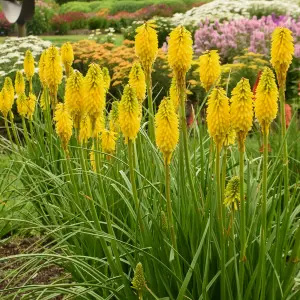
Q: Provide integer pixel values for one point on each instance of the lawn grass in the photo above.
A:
(58, 40)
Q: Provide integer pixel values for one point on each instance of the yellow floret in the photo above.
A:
(241, 110)
(167, 132)
(146, 45)
(180, 51)
(282, 52)
(265, 104)
(137, 81)
(129, 114)
(218, 116)
(63, 124)
(210, 69)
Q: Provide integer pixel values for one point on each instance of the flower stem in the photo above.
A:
(9, 134)
(14, 131)
(150, 105)
(185, 139)
(133, 183)
(264, 217)
(242, 221)
(224, 162)
(221, 223)
(285, 149)
(170, 214)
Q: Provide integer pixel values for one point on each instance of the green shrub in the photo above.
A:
(75, 7)
(129, 6)
(40, 23)
(98, 23)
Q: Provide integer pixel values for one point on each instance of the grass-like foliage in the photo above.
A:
(100, 219)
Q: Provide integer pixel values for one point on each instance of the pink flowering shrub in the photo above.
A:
(233, 37)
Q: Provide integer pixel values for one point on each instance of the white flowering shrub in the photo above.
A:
(107, 36)
(234, 9)
(12, 53)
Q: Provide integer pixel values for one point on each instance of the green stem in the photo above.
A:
(30, 85)
(25, 132)
(150, 105)
(264, 217)
(96, 220)
(235, 262)
(108, 219)
(185, 139)
(9, 134)
(133, 183)
(242, 221)
(169, 205)
(285, 149)
(17, 139)
(224, 163)
(221, 223)
(170, 214)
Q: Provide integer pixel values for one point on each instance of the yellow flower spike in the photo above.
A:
(113, 117)
(67, 56)
(210, 69)
(53, 71)
(146, 45)
(174, 94)
(31, 103)
(167, 132)
(22, 105)
(99, 125)
(108, 141)
(138, 281)
(19, 83)
(180, 52)
(63, 125)
(94, 93)
(29, 65)
(137, 80)
(74, 97)
(85, 131)
(129, 113)
(230, 137)
(106, 78)
(42, 68)
(218, 116)
(8, 95)
(232, 193)
(241, 110)
(265, 104)
(282, 51)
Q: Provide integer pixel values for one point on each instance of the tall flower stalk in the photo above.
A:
(130, 125)
(146, 48)
(29, 68)
(241, 113)
(67, 57)
(167, 135)
(218, 123)
(53, 73)
(265, 111)
(282, 51)
(210, 69)
(180, 54)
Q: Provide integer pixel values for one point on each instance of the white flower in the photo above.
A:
(232, 9)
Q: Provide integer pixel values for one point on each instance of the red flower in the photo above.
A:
(256, 84)
(288, 114)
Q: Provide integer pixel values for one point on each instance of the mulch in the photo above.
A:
(24, 245)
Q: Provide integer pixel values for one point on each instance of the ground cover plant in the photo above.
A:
(133, 200)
